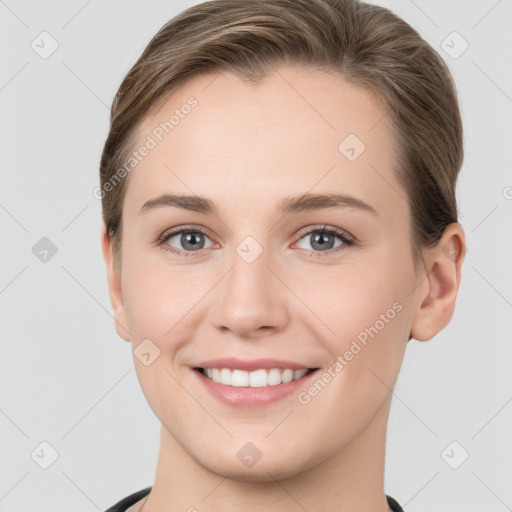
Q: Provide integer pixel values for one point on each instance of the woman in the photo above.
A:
(278, 192)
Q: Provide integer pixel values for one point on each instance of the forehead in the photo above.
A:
(296, 131)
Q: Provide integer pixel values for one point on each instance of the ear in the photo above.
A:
(114, 286)
(436, 298)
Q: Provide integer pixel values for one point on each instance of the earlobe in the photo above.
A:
(114, 286)
(436, 298)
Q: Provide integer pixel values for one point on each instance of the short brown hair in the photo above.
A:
(368, 45)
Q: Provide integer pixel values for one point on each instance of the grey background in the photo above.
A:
(68, 380)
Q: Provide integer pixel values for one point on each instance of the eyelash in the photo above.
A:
(342, 235)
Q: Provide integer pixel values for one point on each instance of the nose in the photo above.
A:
(252, 299)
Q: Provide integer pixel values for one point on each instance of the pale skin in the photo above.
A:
(246, 148)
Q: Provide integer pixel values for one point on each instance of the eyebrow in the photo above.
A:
(305, 202)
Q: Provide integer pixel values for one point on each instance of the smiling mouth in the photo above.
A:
(254, 379)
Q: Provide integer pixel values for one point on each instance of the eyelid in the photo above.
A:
(328, 228)
(347, 239)
(180, 229)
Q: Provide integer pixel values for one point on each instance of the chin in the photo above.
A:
(264, 470)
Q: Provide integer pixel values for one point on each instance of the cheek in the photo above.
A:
(157, 301)
(156, 297)
(350, 299)
(367, 321)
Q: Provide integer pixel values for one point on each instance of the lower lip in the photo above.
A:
(247, 397)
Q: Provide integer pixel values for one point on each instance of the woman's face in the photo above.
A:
(253, 280)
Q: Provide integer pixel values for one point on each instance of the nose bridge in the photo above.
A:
(250, 273)
(251, 295)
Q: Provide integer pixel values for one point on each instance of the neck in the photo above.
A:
(351, 479)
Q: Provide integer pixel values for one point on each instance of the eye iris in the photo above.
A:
(321, 239)
(190, 241)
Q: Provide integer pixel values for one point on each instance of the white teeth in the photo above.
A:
(238, 378)
(287, 376)
(258, 378)
(274, 377)
(225, 376)
(254, 379)
(297, 374)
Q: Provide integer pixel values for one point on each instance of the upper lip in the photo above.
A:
(253, 364)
